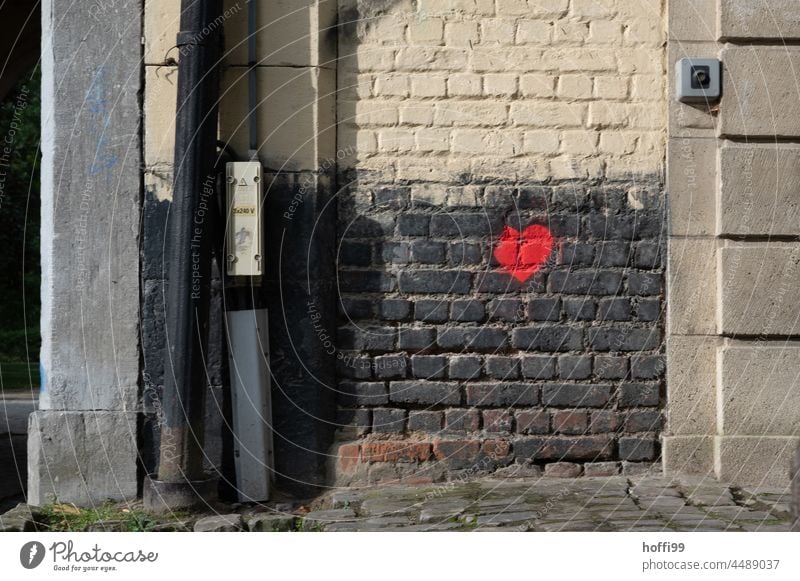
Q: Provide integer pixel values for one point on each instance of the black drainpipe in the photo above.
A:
(181, 480)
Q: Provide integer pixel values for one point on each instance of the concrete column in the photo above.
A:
(82, 444)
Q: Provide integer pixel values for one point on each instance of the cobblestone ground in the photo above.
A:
(590, 504)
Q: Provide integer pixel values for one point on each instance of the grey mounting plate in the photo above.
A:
(698, 80)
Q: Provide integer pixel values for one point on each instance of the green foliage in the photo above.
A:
(19, 220)
(69, 518)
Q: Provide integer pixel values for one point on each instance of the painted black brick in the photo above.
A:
(395, 309)
(413, 224)
(614, 309)
(465, 367)
(428, 252)
(637, 449)
(610, 367)
(355, 281)
(425, 421)
(366, 338)
(428, 366)
(612, 253)
(416, 338)
(435, 281)
(355, 253)
(392, 198)
(424, 392)
(358, 393)
(465, 254)
(624, 339)
(451, 225)
(502, 394)
(576, 395)
(538, 367)
(474, 338)
(505, 310)
(647, 256)
(564, 448)
(395, 252)
(544, 309)
(388, 420)
(496, 282)
(390, 366)
(355, 368)
(593, 282)
(576, 254)
(574, 366)
(648, 309)
(431, 311)
(639, 395)
(352, 308)
(550, 339)
(582, 309)
(500, 367)
(647, 367)
(644, 283)
(466, 311)
(360, 418)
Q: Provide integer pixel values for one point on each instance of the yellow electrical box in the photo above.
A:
(244, 247)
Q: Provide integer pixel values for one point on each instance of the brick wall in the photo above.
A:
(456, 120)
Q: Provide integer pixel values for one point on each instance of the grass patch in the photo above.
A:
(69, 518)
(19, 375)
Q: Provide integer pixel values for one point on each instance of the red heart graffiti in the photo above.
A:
(523, 253)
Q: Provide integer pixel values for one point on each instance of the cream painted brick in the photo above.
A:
(497, 31)
(366, 113)
(475, 141)
(479, 7)
(568, 167)
(594, 9)
(470, 114)
(519, 58)
(536, 8)
(618, 142)
(611, 87)
(500, 85)
(429, 194)
(578, 60)
(633, 115)
(428, 86)
(353, 85)
(579, 142)
(417, 114)
(160, 98)
(605, 32)
(548, 114)
(652, 144)
(433, 139)
(467, 196)
(464, 85)
(426, 31)
(648, 87)
(461, 33)
(567, 32)
(387, 30)
(645, 32)
(431, 59)
(575, 87)
(641, 61)
(359, 142)
(540, 142)
(537, 85)
(392, 86)
(534, 32)
(400, 140)
(368, 58)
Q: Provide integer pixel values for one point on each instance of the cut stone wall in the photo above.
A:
(733, 254)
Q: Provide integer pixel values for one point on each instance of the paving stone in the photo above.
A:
(316, 520)
(271, 522)
(224, 523)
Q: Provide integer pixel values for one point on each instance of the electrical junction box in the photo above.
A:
(698, 80)
(244, 248)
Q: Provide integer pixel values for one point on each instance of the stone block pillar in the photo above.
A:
(82, 443)
(734, 259)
